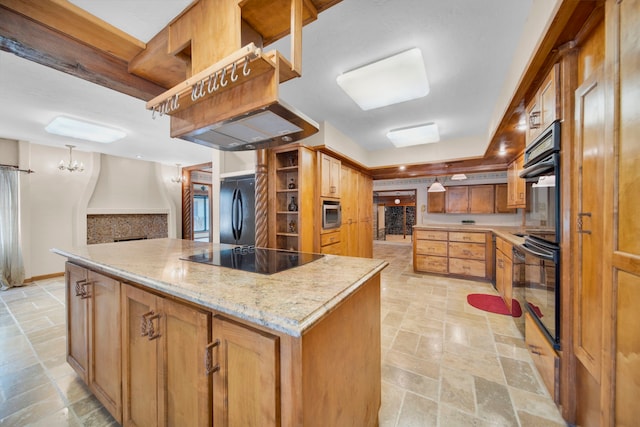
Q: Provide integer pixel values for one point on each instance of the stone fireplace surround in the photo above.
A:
(107, 228)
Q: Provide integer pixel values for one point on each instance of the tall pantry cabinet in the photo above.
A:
(605, 249)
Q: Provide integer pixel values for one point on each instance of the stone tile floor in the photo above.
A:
(445, 363)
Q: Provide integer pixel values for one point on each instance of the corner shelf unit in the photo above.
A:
(291, 228)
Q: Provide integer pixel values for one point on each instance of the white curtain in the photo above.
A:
(11, 265)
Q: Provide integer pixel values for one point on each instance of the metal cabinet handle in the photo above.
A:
(208, 358)
(81, 290)
(153, 333)
(534, 120)
(146, 325)
(580, 224)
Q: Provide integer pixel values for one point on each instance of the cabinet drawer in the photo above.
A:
(431, 235)
(505, 247)
(467, 250)
(467, 237)
(542, 353)
(329, 238)
(431, 247)
(333, 249)
(434, 264)
(467, 267)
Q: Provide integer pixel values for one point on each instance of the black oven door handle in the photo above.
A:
(540, 254)
(538, 168)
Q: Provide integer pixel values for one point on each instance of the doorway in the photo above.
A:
(196, 203)
(395, 214)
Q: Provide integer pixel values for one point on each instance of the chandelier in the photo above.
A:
(71, 166)
(178, 178)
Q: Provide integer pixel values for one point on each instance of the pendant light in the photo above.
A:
(436, 187)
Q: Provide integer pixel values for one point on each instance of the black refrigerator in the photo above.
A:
(238, 211)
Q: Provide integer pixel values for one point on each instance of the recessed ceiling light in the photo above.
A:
(458, 177)
(80, 129)
(414, 135)
(402, 167)
(395, 79)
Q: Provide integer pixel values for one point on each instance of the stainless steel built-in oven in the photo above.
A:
(542, 172)
(542, 228)
(542, 286)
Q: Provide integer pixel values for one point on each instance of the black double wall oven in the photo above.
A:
(543, 228)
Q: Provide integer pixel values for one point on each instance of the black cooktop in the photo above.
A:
(252, 259)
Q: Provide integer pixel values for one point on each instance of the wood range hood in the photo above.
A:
(230, 100)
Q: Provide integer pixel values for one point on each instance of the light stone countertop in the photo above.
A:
(290, 301)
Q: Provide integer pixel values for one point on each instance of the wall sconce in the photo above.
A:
(178, 178)
(71, 166)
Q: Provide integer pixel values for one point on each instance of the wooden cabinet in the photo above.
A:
(504, 271)
(436, 202)
(476, 199)
(93, 334)
(544, 107)
(544, 356)
(246, 387)
(452, 252)
(165, 380)
(292, 182)
(357, 212)
(329, 176)
(468, 254)
(330, 243)
(502, 199)
(365, 215)
(516, 185)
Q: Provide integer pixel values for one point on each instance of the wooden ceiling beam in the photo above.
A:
(37, 42)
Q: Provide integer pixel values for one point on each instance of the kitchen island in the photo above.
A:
(160, 340)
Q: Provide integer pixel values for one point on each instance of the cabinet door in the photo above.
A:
(105, 374)
(481, 199)
(457, 199)
(517, 185)
(365, 239)
(140, 359)
(186, 387)
(329, 176)
(502, 199)
(548, 98)
(77, 320)
(500, 273)
(435, 202)
(246, 387)
(365, 198)
(508, 282)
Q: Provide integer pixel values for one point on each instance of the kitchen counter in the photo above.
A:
(507, 233)
(291, 301)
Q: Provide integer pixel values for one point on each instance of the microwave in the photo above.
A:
(331, 214)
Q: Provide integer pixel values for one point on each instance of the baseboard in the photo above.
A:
(43, 277)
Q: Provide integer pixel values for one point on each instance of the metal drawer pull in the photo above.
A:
(144, 324)
(579, 222)
(153, 334)
(208, 358)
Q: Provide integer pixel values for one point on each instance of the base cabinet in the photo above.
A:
(93, 334)
(465, 254)
(544, 356)
(504, 271)
(165, 381)
(155, 361)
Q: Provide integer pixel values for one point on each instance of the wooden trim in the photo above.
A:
(35, 42)
(43, 277)
(69, 19)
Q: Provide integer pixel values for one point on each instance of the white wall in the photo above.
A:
(54, 203)
(422, 184)
(8, 152)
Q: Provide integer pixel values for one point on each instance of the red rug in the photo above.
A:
(492, 304)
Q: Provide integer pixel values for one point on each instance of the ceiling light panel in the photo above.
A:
(414, 135)
(392, 80)
(79, 129)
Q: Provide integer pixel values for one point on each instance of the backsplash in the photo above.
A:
(109, 228)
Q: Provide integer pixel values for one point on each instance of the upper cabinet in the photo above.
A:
(477, 199)
(329, 176)
(544, 107)
(517, 187)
